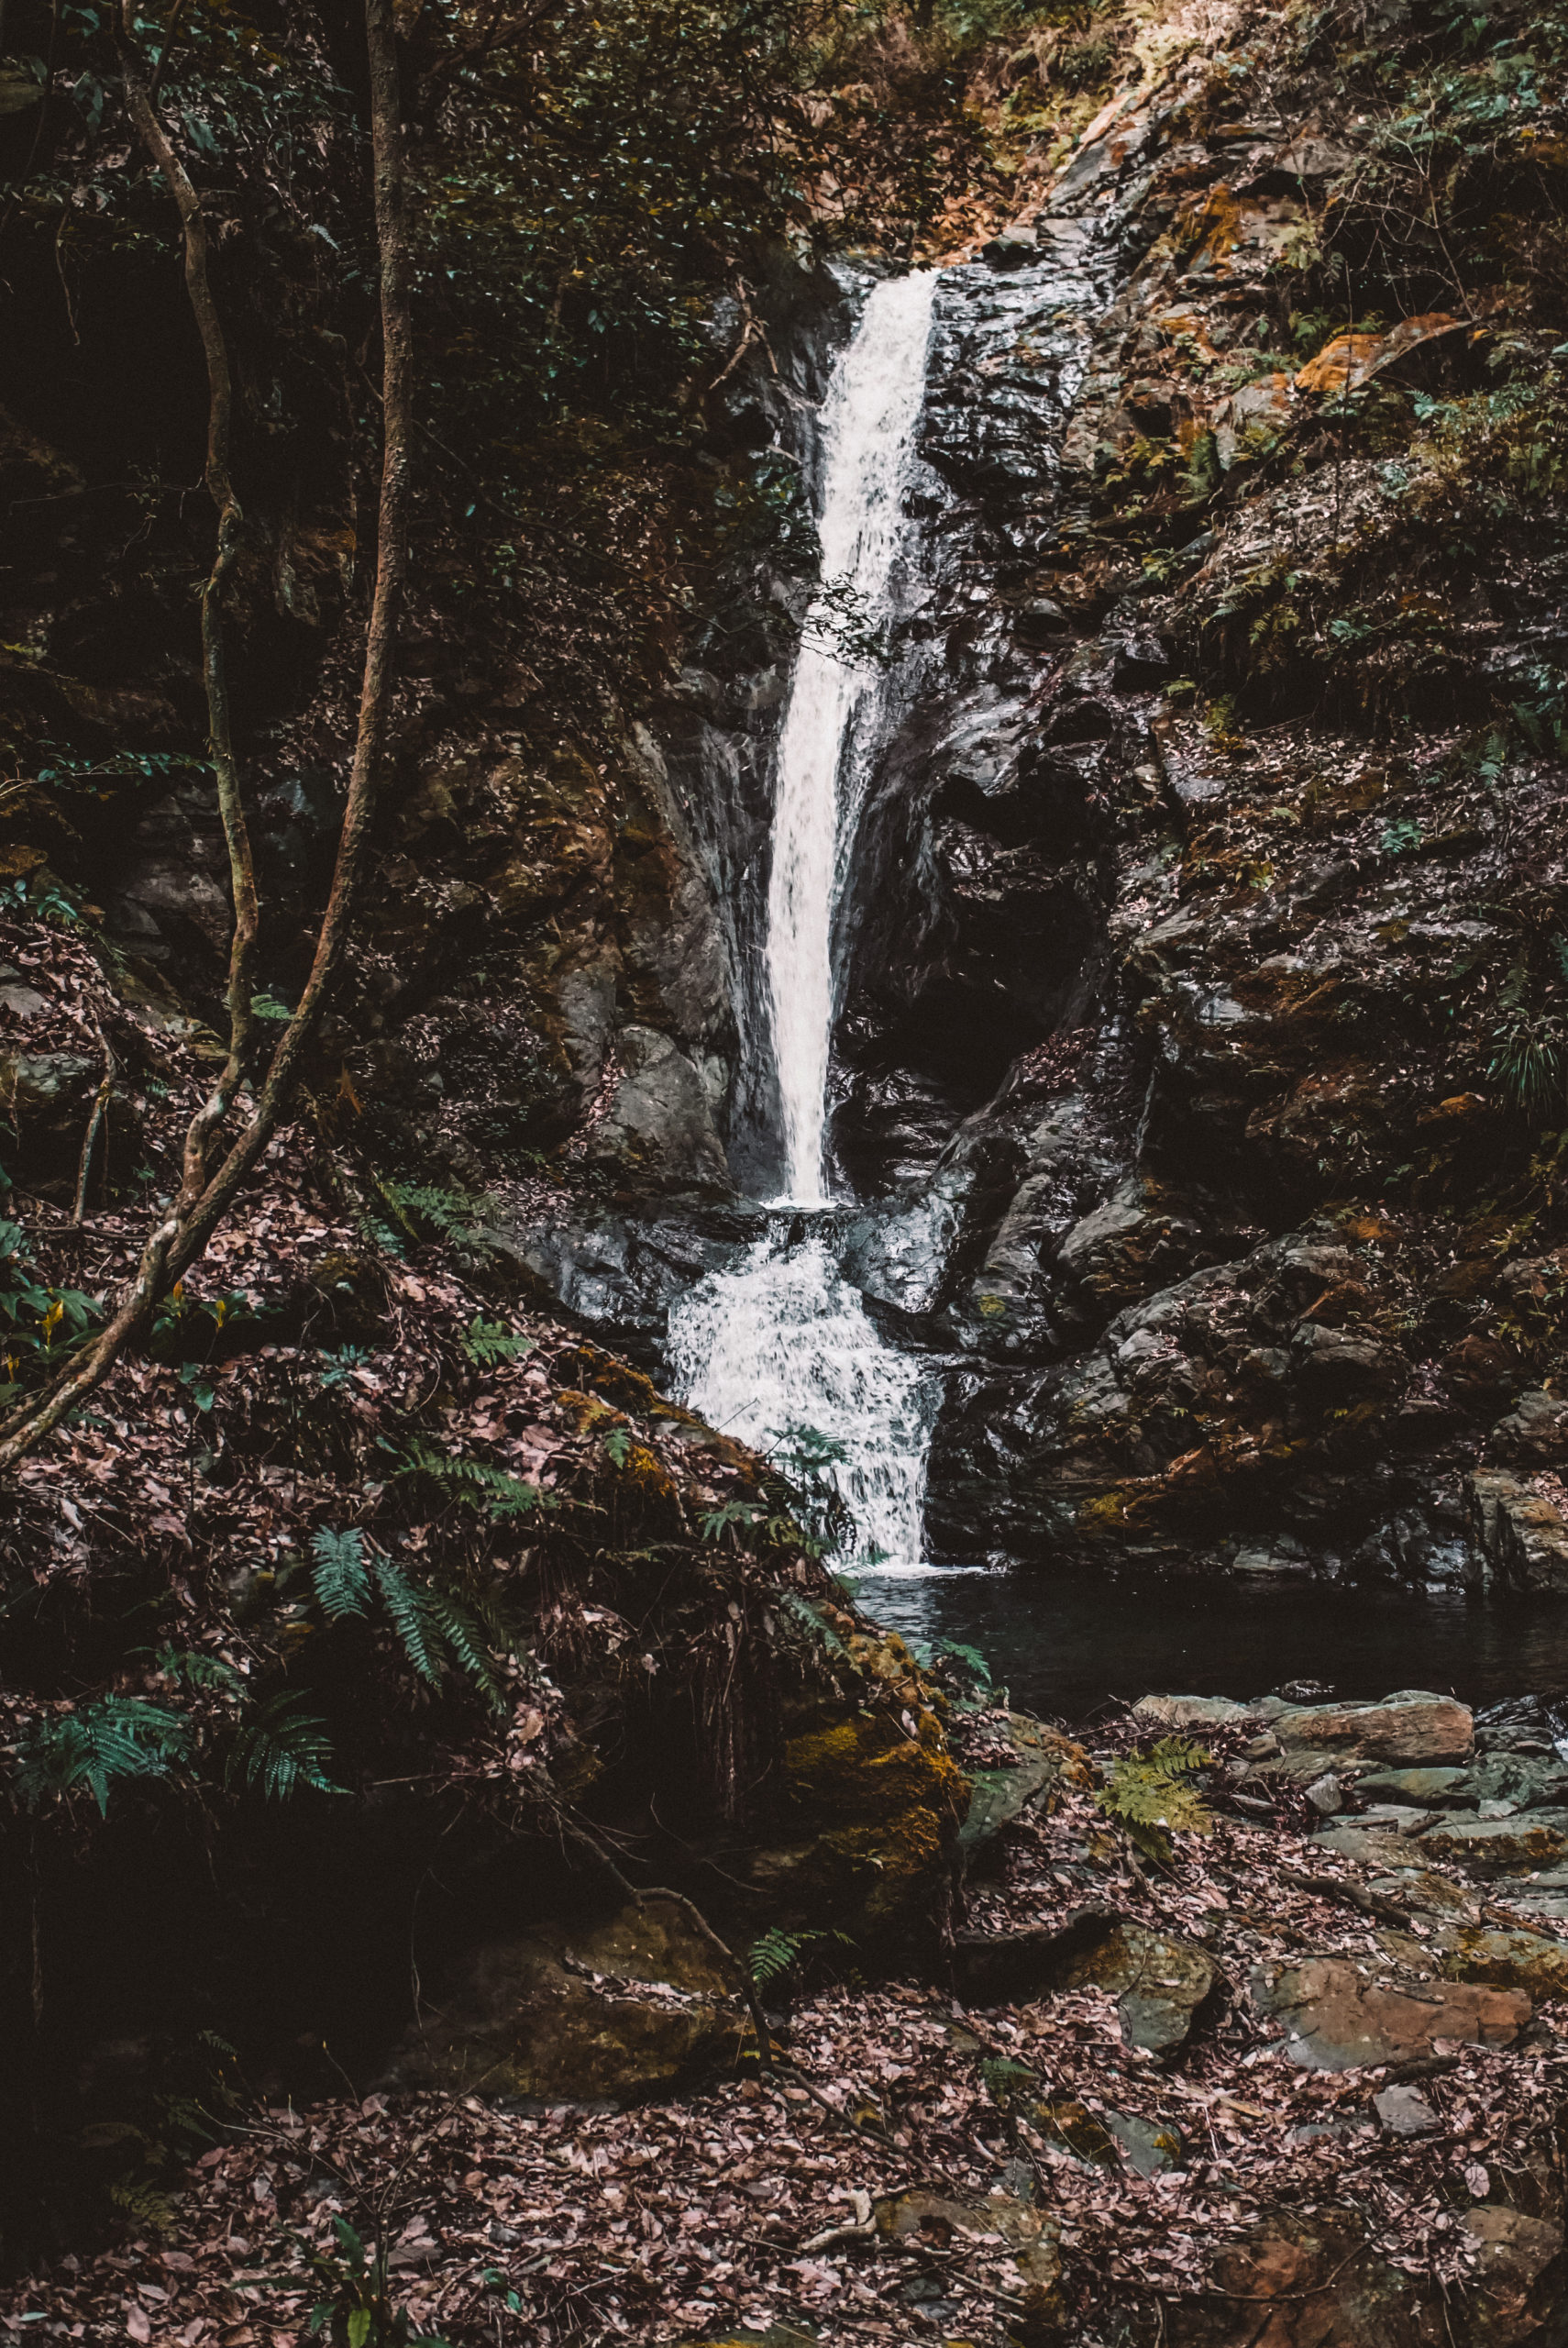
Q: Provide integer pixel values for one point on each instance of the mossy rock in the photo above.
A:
(882, 1808)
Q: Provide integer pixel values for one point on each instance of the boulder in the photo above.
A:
(1338, 2016)
(998, 1796)
(1534, 1434)
(1308, 2280)
(1404, 2111)
(1513, 1845)
(1508, 1960)
(1518, 1530)
(867, 1828)
(634, 2005)
(659, 1122)
(1160, 1982)
(1182, 1715)
(1412, 1727)
(1520, 2268)
(45, 1098)
(1425, 1788)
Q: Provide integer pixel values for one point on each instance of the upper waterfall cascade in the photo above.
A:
(783, 1342)
(829, 729)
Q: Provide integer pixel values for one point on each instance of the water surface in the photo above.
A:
(1064, 1649)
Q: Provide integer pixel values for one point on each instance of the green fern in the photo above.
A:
(281, 1748)
(454, 1215)
(1150, 1794)
(487, 1342)
(776, 1953)
(475, 1482)
(341, 1577)
(414, 1620)
(117, 1738)
(811, 1620)
(206, 1672)
(720, 1521)
(466, 1640)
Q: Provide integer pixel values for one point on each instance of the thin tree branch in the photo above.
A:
(149, 126)
(186, 1229)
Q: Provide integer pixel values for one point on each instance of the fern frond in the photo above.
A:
(206, 1671)
(281, 1748)
(476, 1482)
(412, 1618)
(775, 1951)
(341, 1577)
(464, 1637)
(487, 1342)
(116, 1737)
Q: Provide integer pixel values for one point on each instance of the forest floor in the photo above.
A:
(1126, 2144)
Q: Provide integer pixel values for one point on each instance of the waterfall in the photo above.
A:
(868, 424)
(783, 1342)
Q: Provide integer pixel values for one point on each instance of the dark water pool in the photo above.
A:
(1063, 1650)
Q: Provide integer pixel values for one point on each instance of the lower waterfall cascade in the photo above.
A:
(781, 1345)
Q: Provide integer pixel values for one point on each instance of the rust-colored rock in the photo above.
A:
(1338, 2015)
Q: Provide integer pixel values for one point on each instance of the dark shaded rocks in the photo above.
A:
(1506, 1845)
(866, 1828)
(46, 1099)
(1161, 1982)
(998, 1796)
(1534, 1434)
(917, 2216)
(634, 2006)
(659, 1120)
(1519, 1530)
(1337, 2015)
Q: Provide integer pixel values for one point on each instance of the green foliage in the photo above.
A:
(280, 1749)
(338, 1364)
(208, 1673)
(454, 1217)
(1530, 1059)
(475, 1483)
(774, 1952)
(408, 1604)
(267, 1007)
(617, 1446)
(489, 1342)
(810, 1460)
(1152, 1796)
(339, 1570)
(732, 1516)
(43, 1324)
(810, 1619)
(435, 1626)
(109, 1742)
(355, 2308)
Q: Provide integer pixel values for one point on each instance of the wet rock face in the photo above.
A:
(1171, 1011)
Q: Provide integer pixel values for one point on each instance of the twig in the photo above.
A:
(1371, 1903)
(100, 1110)
(862, 2228)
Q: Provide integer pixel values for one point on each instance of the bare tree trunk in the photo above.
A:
(204, 1198)
(220, 731)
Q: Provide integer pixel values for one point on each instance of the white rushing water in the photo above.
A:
(783, 1344)
(868, 427)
